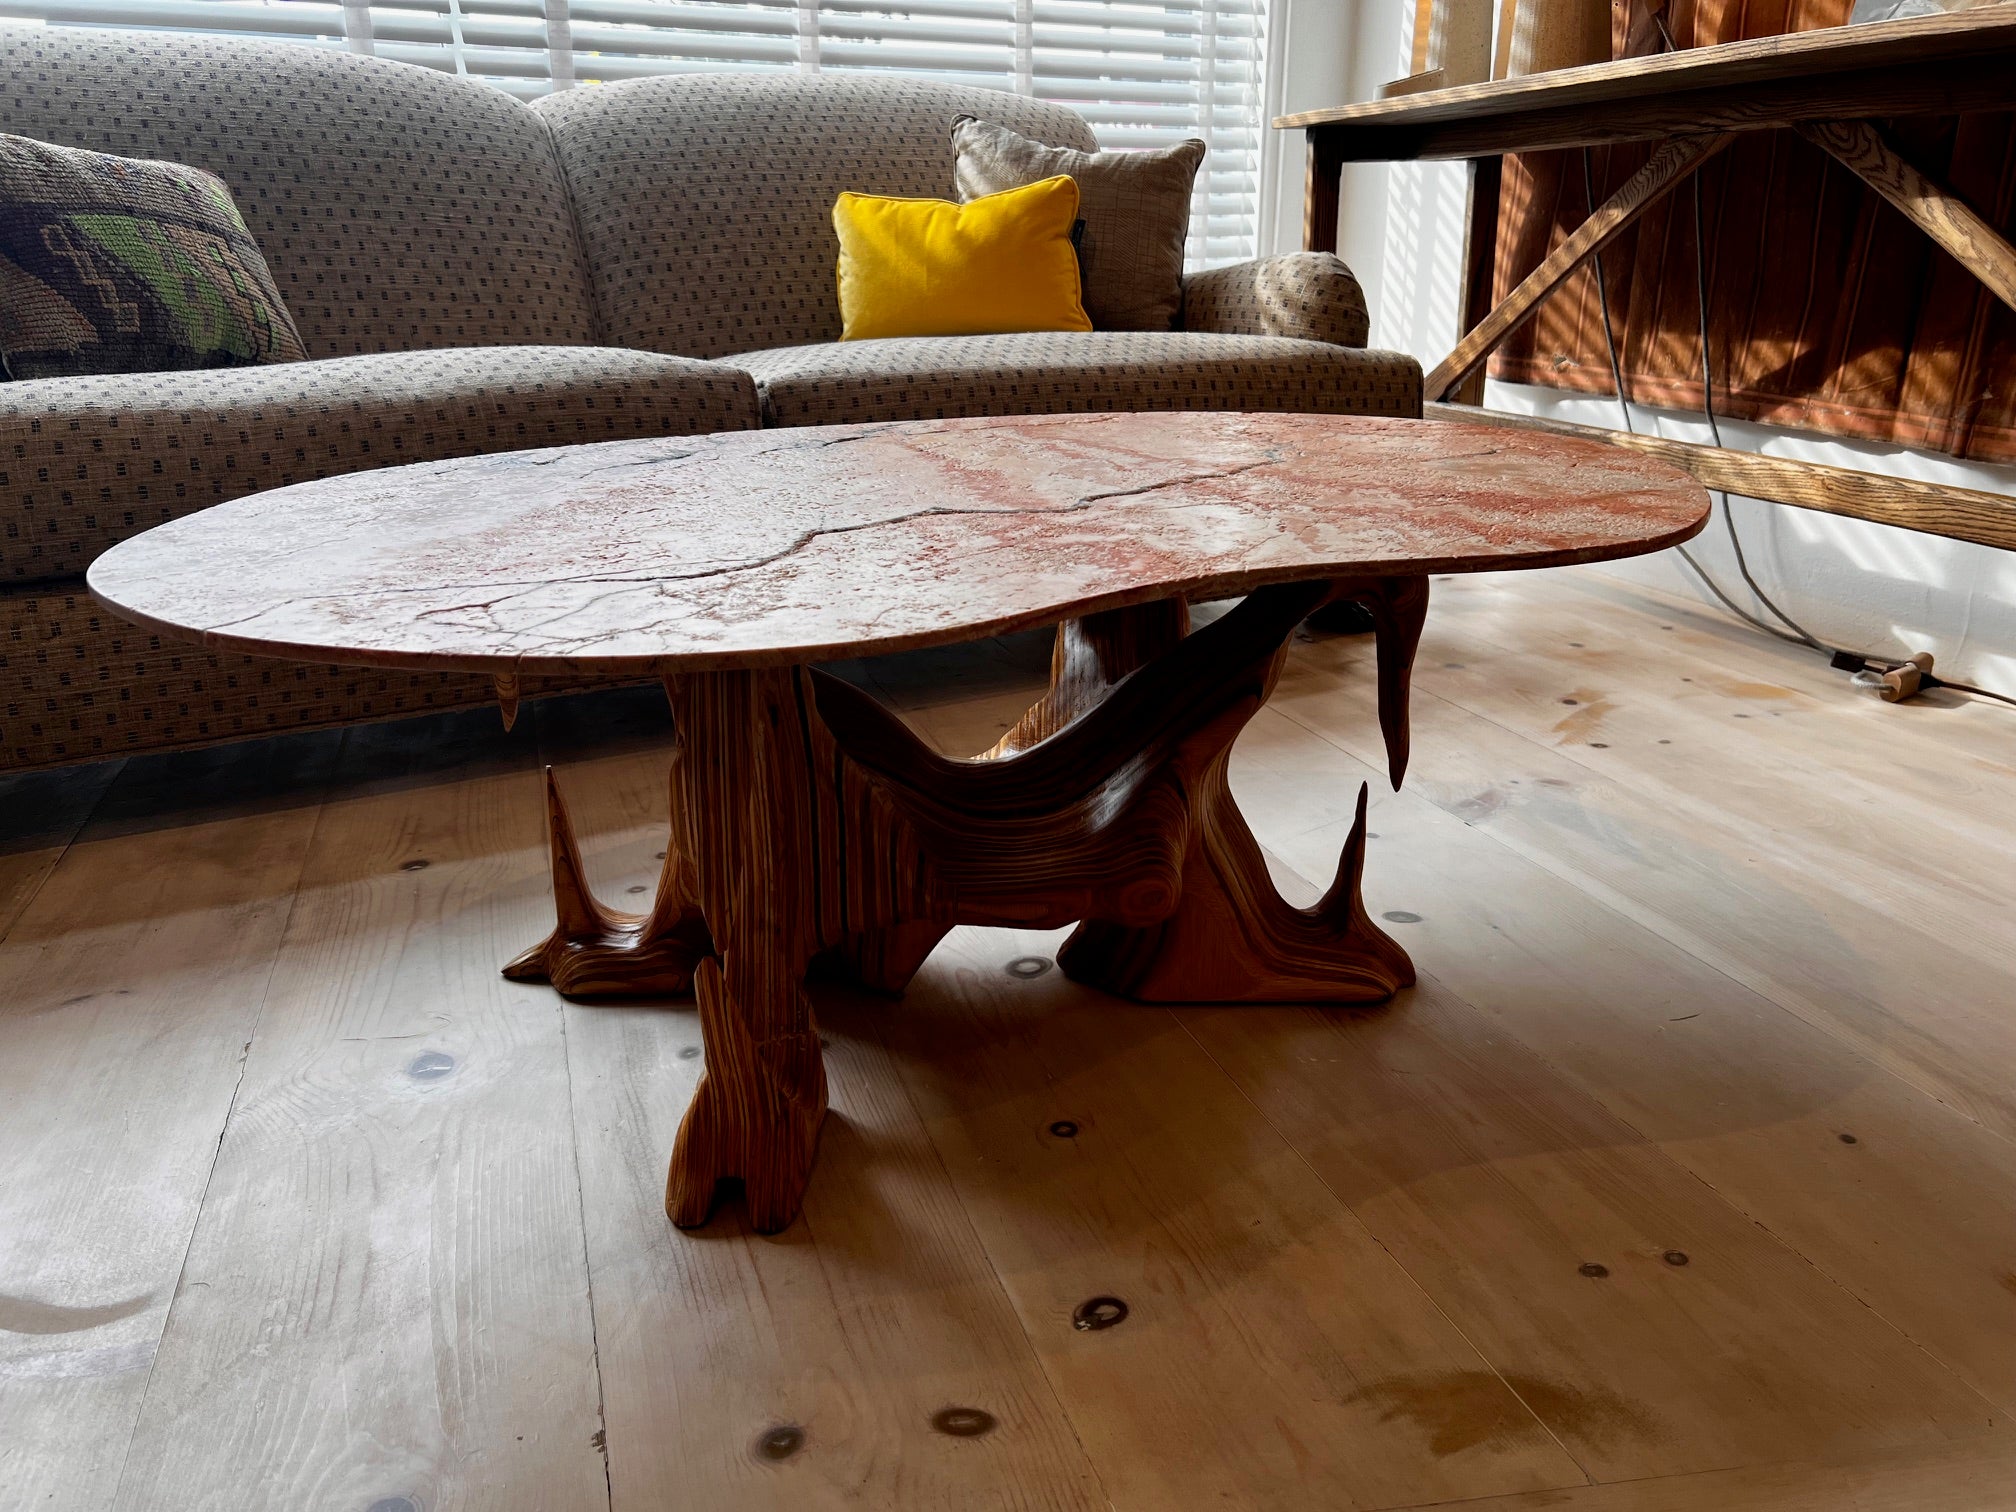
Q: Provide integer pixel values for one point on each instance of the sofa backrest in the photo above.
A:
(399, 208)
(705, 200)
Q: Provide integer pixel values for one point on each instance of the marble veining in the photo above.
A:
(766, 548)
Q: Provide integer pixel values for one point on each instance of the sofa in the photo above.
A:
(471, 273)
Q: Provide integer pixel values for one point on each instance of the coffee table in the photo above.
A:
(809, 825)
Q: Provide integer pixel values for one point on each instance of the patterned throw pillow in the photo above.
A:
(117, 265)
(1136, 207)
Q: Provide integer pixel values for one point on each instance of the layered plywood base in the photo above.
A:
(812, 827)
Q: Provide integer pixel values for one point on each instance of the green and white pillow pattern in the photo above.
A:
(119, 265)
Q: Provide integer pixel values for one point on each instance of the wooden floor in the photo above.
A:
(1685, 1179)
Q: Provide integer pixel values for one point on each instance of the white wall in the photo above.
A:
(1870, 587)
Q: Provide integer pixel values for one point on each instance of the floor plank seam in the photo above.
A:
(20, 906)
(587, 1271)
(224, 1128)
(1763, 986)
(547, 758)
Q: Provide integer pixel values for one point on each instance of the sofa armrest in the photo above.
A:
(1310, 295)
(87, 462)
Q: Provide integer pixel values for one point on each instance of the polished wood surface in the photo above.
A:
(1942, 215)
(810, 823)
(1938, 64)
(411, 1244)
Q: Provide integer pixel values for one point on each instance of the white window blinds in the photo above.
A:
(1145, 73)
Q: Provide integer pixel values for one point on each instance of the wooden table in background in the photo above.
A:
(1829, 85)
(810, 825)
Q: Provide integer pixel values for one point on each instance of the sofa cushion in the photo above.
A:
(399, 208)
(706, 201)
(1064, 371)
(86, 462)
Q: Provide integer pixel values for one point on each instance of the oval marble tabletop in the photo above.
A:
(766, 548)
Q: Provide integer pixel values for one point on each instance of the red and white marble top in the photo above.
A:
(762, 548)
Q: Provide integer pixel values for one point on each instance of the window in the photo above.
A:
(1144, 72)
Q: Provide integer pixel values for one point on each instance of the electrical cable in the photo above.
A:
(1844, 660)
(1715, 430)
(1624, 409)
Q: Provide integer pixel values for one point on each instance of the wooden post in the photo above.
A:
(1324, 170)
(1480, 260)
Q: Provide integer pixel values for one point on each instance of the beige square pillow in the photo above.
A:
(1136, 208)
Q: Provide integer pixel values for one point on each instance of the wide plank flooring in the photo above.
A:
(1686, 1177)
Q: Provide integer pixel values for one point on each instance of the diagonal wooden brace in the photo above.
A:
(1670, 166)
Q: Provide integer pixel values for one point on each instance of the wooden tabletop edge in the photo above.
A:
(1833, 49)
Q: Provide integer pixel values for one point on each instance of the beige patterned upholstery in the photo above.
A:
(1052, 372)
(78, 684)
(706, 202)
(480, 276)
(399, 208)
(1307, 294)
(86, 462)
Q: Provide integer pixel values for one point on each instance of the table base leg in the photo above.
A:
(810, 827)
(1234, 939)
(600, 952)
(756, 1113)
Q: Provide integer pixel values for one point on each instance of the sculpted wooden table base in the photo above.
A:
(811, 827)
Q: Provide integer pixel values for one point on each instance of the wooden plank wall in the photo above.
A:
(1827, 310)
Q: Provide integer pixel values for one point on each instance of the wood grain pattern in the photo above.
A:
(809, 821)
(1812, 881)
(40, 814)
(1706, 1069)
(386, 1298)
(1232, 938)
(1941, 214)
(1669, 166)
(1964, 514)
(1969, 83)
(657, 950)
(1803, 262)
(877, 1311)
(1973, 1476)
(129, 983)
(1714, 957)
(1264, 1318)
(1750, 1098)
(1426, 1151)
(1942, 63)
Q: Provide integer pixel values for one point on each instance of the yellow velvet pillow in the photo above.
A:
(926, 267)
